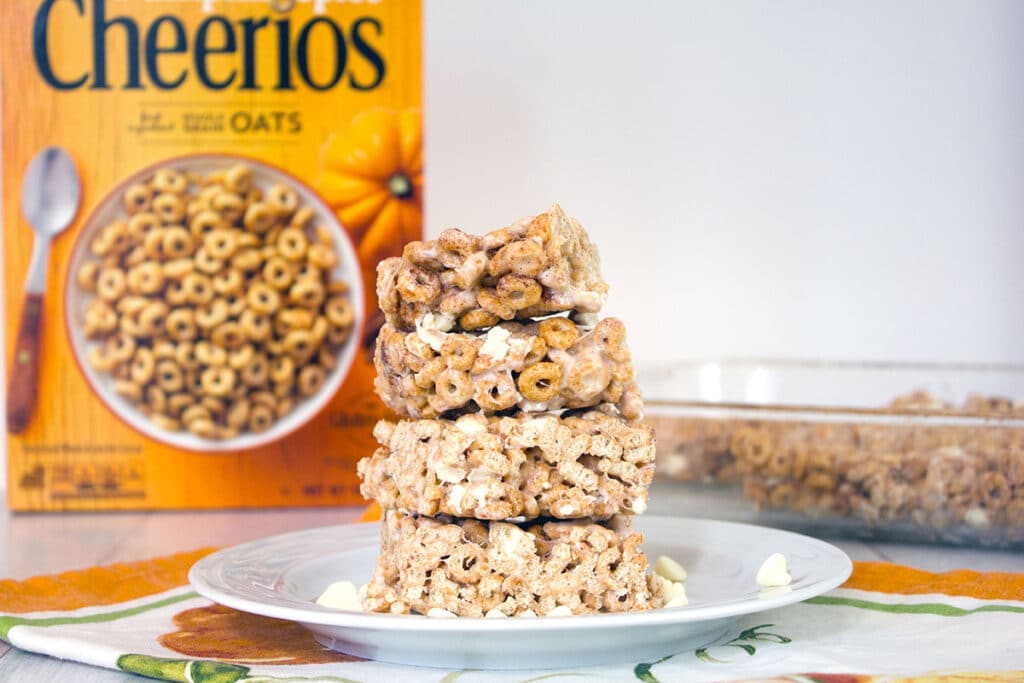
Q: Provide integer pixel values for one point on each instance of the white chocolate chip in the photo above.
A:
(471, 424)
(340, 595)
(495, 613)
(442, 322)
(495, 343)
(676, 595)
(455, 497)
(678, 601)
(977, 518)
(668, 568)
(566, 510)
(533, 406)
(774, 572)
(450, 474)
(560, 611)
(438, 613)
(639, 506)
(527, 613)
(429, 330)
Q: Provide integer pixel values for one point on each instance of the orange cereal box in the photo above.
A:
(195, 196)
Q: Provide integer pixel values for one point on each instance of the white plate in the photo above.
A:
(281, 577)
(76, 301)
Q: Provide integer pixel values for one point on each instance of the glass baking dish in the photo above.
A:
(921, 453)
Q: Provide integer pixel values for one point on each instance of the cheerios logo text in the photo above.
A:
(120, 52)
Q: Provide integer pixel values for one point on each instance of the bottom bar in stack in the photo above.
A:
(473, 568)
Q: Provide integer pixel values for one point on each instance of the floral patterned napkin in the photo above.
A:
(887, 623)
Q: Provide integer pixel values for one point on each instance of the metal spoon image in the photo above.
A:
(50, 194)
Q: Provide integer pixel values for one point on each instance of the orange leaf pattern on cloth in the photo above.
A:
(372, 513)
(95, 586)
(218, 632)
(883, 577)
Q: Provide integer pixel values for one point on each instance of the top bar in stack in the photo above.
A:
(535, 267)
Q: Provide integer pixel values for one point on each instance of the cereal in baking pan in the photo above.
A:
(950, 482)
(537, 266)
(214, 309)
(534, 367)
(946, 479)
(587, 465)
(695, 449)
(953, 478)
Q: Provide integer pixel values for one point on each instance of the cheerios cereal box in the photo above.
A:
(195, 197)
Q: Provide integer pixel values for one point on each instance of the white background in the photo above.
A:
(794, 178)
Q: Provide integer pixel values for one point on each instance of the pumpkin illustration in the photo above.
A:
(372, 176)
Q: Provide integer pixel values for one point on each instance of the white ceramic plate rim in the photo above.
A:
(281, 607)
(75, 301)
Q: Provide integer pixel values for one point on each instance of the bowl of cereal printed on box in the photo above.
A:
(213, 302)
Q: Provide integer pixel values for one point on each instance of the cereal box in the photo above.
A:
(195, 195)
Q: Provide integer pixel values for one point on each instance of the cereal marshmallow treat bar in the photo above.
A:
(473, 568)
(537, 266)
(536, 367)
(495, 468)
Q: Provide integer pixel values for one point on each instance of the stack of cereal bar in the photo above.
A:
(508, 487)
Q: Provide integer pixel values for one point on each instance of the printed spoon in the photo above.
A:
(50, 193)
